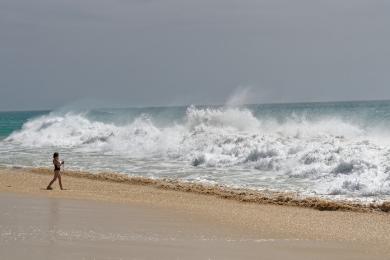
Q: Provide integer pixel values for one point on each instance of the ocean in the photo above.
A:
(337, 150)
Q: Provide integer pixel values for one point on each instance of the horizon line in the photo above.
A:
(184, 105)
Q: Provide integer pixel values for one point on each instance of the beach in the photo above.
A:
(194, 130)
(103, 219)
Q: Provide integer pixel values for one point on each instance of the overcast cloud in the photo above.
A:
(140, 53)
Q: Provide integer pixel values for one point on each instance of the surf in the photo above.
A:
(316, 150)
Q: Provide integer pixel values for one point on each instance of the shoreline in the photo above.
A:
(221, 191)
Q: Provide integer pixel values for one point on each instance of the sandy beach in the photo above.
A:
(96, 219)
(195, 129)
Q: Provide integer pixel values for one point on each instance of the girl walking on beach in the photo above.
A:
(57, 167)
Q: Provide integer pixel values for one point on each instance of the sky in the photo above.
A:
(175, 52)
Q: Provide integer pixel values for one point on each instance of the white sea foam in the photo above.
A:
(327, 156)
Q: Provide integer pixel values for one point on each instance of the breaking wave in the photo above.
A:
(325, 155)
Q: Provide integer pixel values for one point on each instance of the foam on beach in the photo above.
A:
(242, 195)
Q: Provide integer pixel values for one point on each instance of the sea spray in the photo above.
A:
(329, 150)
(240, 97)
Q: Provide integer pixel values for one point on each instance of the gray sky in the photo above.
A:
(150, 52)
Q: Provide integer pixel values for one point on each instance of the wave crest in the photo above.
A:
(329, 155)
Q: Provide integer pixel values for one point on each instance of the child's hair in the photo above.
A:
(55, 155)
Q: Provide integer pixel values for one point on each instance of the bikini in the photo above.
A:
(56, 168)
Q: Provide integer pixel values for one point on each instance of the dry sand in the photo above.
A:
(97, 219)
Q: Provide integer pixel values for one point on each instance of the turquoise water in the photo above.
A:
(12, 121)
(336, 150)
(364, 113)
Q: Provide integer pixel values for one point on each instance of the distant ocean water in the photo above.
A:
(335, 150)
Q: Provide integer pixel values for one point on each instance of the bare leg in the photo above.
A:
(59, 180)
(53, 180)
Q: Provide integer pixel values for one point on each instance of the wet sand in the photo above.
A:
(97, 219)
